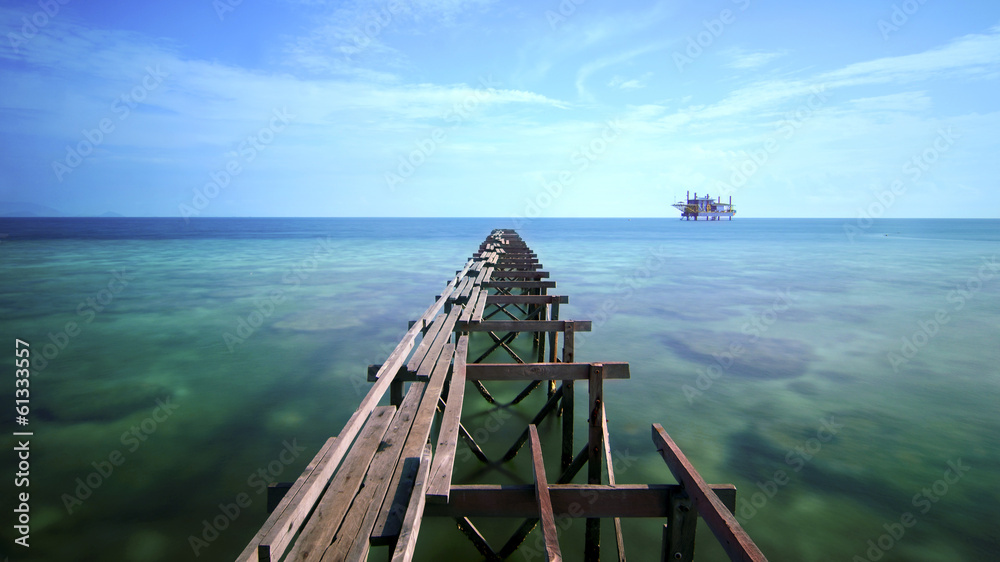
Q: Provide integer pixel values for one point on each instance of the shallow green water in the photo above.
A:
(161, 418)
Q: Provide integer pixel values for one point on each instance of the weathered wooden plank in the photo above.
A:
(462, 291)
(549, 532)
(444, 460)
(407, 543)
(425, 343)
(352, 539)
(480, 309)
(319, 531)
(524, 326)
(439, 342)
(470, 307)
(568, 500)
(390, 516)
(734, 540)
(482, 276)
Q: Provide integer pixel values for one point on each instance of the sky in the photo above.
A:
(480, 108)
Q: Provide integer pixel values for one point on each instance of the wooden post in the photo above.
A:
(566, 458)
(595, 449)
(549, 533)
(679, 532)
(568, 397)
(396, 392)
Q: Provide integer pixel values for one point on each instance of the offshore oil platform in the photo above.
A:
(707, 207)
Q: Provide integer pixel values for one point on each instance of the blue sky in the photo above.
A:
(506, 109)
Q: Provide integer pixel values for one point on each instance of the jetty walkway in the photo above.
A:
(392, 466)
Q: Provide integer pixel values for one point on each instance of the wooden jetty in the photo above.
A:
(388, 470)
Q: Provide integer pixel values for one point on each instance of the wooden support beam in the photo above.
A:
(524, 326)
(545, 411)
(522, 274)
(515, 540)
(734, 540)
(478, 541)
(407, 543)
(473, 446)
(520, 284)
(619, 540)
(526, 371)
(547, 517)
(526, 392)
(444, 460)
(568, 500)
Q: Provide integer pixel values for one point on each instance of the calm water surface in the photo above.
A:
(846, 382)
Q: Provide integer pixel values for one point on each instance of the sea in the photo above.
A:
(843, 374)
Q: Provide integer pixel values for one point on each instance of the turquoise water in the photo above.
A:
(836, 377)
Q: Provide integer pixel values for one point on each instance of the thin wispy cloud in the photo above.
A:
(741, 59)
